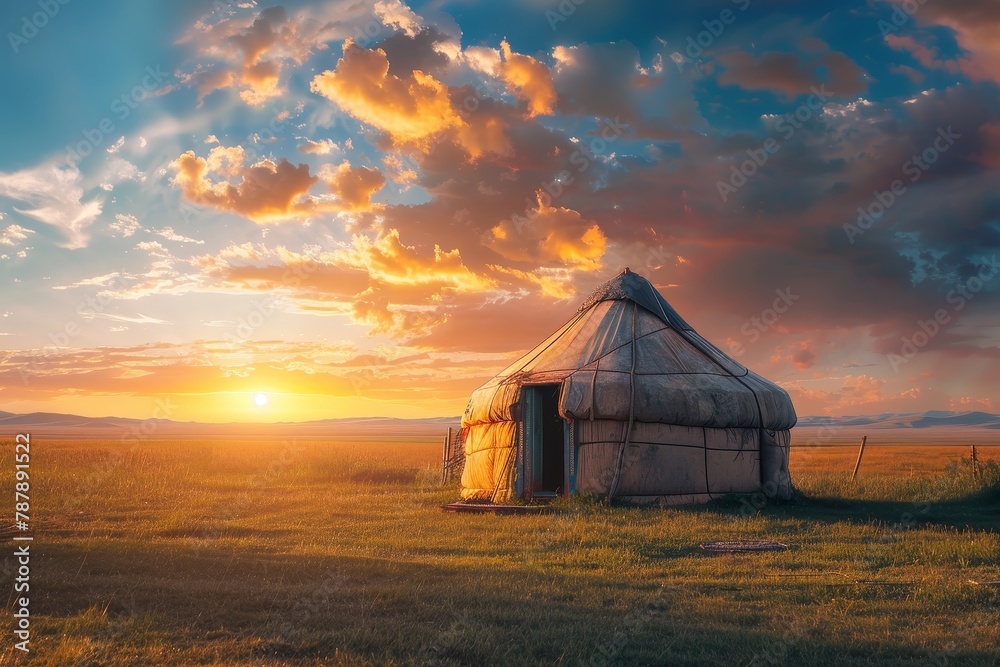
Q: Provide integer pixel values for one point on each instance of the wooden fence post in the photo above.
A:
(444, 462)
(975, 463)
(860, 452)
(446, 458)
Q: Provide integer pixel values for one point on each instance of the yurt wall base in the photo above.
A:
(666, 460)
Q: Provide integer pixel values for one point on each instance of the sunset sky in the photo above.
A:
(366, 208)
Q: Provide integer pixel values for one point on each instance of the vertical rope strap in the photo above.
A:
(760, 433)
(504, 475)
(704, 440)
(613, 490)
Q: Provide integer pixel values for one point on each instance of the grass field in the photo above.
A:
(319, 553)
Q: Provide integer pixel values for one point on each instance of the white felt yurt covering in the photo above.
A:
(652, 411)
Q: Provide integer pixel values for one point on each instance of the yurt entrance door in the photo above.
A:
(545, 442)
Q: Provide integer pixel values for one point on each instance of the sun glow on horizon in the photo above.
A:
(260, 400)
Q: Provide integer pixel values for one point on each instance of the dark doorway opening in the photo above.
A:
(553, 460)
(547, 442)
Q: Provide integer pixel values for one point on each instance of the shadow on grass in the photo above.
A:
(979, 510)
(273, 607)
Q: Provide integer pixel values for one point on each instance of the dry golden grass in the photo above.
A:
(337, 553)
(884, 459)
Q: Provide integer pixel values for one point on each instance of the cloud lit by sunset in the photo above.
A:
(337, 209)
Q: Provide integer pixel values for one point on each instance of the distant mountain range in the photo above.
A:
(929, 419)
(74, 426)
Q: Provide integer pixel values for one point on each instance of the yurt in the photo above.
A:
(626, 401)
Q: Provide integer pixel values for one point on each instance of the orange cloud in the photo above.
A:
(208, 80)
(929, 57)
(226, 160)
(376, 312)
(925, 55)
(267, 191)
(556, 237)
(409, 109)
(253, 52)
(393, 288)
(483, 133)
(314, 280)
(975, 23)
(395, 14)
(972, 403)
(399, 171)
(488, 329)
(414, 111)
(790, 74)
(529, 79)
(379, 281)
(989, 139)
(387, 259)
(260, 82)
(321, 147)
(804, 355)
(861, 389)
(554, 286)
(354, 186)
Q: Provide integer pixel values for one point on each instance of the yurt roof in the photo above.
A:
(628, 286)
(628, 354)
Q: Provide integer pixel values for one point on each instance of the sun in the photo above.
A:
(260, 400)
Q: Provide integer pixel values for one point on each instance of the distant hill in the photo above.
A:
(938, 427)
(929, 419)
(916, 426)
(75, 426)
